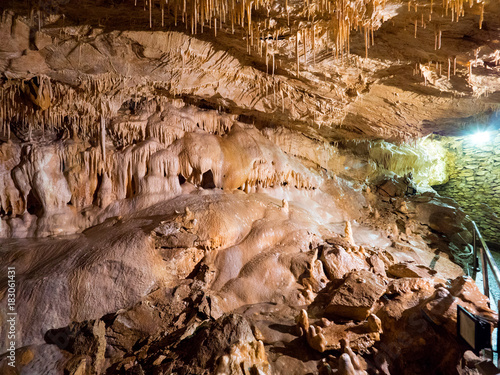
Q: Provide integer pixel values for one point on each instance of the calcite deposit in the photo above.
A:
(242, 187)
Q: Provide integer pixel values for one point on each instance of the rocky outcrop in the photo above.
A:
(356, 297)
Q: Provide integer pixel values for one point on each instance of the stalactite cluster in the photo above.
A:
(263, 23)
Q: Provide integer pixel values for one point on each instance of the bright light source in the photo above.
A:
(480, 137)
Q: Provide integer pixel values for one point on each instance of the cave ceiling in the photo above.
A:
(332, 70)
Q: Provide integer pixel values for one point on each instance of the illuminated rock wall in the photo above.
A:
(425, 158)
(475, 181)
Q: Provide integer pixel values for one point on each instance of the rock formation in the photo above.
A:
(239, 187)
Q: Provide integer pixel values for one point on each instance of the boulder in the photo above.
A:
(224, 345)
(340, 260)
(392, 188)
(410, 269)
(356, 298)
(42, 40)
(441, 307)
(442, 215)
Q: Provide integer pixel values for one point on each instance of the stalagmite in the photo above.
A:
(348, 233)
(284, 203)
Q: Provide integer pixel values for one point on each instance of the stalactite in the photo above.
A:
(313, 43)
(304, 45)
(150, 14)
(297, 51)
(481, 17)
(175, 12)
(267, 56)
(273, 63)
(366, 42)
(103, 138)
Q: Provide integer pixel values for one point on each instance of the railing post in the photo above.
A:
(474, 252)
(498, 334)
(484, 264)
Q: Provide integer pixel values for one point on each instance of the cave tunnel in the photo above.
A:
(357, 142)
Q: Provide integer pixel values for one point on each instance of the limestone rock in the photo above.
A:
(211, 343)
(357, 297)
(88, 338)
(178, 182)
(340, 260)
(392, 186)
(330, 336)
(42, 40)
(442, 215)
(442, 306)
(378, 266)
(251, 356)
(410, 269)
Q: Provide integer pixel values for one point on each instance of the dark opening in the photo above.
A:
(33, 204)
(207, 180)
(182, 179)
(135, 186)
(131, 187)
(99, 183)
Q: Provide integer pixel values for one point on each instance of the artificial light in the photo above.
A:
(480, 137)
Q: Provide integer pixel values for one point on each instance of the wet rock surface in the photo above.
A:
(306, 317)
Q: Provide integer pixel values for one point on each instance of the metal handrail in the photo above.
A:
(486, 259)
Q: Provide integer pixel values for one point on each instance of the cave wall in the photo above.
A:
(475, 181)
(425, 158)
